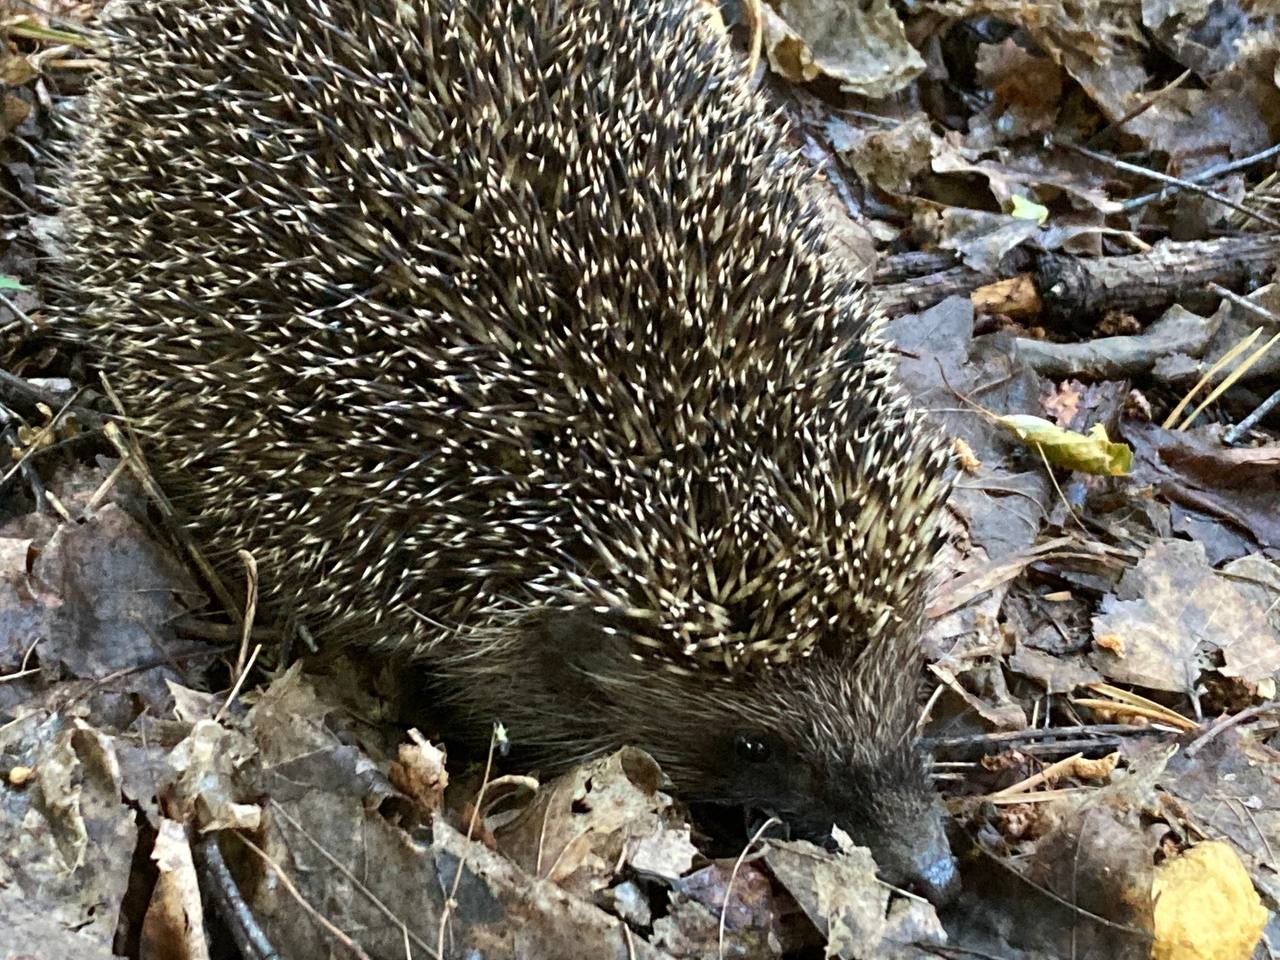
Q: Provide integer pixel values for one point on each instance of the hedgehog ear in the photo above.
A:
(583, 644)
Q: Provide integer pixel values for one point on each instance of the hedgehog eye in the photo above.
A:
(751, 749)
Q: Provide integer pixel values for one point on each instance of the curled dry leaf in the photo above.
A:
(420, 772)
(204, 790)
(584, 825)
(174, 923)
(861, 46)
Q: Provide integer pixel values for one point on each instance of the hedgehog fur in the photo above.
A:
(503, 333)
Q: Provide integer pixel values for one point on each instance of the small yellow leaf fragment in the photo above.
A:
(966, 459)
(18, 776)
(1206, 907)
(1024, 208)
(1097, 769)
(1112, 642)
(1091, 452)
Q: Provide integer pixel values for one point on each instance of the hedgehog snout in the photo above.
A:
(918, 858)
(932, 871)
(936, 877)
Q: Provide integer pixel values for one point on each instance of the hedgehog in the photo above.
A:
(506, 336)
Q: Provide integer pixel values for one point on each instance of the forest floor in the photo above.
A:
(1071, 215)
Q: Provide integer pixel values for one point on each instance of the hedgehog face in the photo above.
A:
(814, 775)
(827, 742)
(886, 803)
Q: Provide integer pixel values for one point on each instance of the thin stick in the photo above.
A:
(315, 914)
(250, 604)
(1209, 173)
(1244, 303)
(1227, 722)
(105, 487)
(1146, 104)
(355, 881)
(450, 901)
(228, 903)
(1229, 380)
(1044, 733)
(1236, 349)
(1233, 435)
(243, 666)
(1063, 901)
(733, 875)
(22, 670)
(1048, 469)
(1165, 178)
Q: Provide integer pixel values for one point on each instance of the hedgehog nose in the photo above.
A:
(937, 879)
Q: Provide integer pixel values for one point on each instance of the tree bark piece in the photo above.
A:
(1075, 290)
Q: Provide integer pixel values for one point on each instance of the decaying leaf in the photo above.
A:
(1174, 612)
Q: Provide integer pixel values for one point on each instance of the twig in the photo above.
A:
(250, 605)
(1236, 349)
(923, 721)
(1244, 303)
(105, 486)
(1048, 469)
(28, 394)
(22, 670)
(220, 887)
(1146, 104)
(1230, 379)
(355, 881)
(1225, 723)
(1233, 435)
(1165, 178)
(451, 901)
(1062, 901)
(1210, 173)
(1044, 733)
(243, 665)
(733, 875)
(28, 325)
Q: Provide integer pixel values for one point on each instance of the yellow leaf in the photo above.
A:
(1093, 452)
(1205, 907)
(1024, 209)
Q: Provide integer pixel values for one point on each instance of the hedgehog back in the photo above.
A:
(444, 310)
